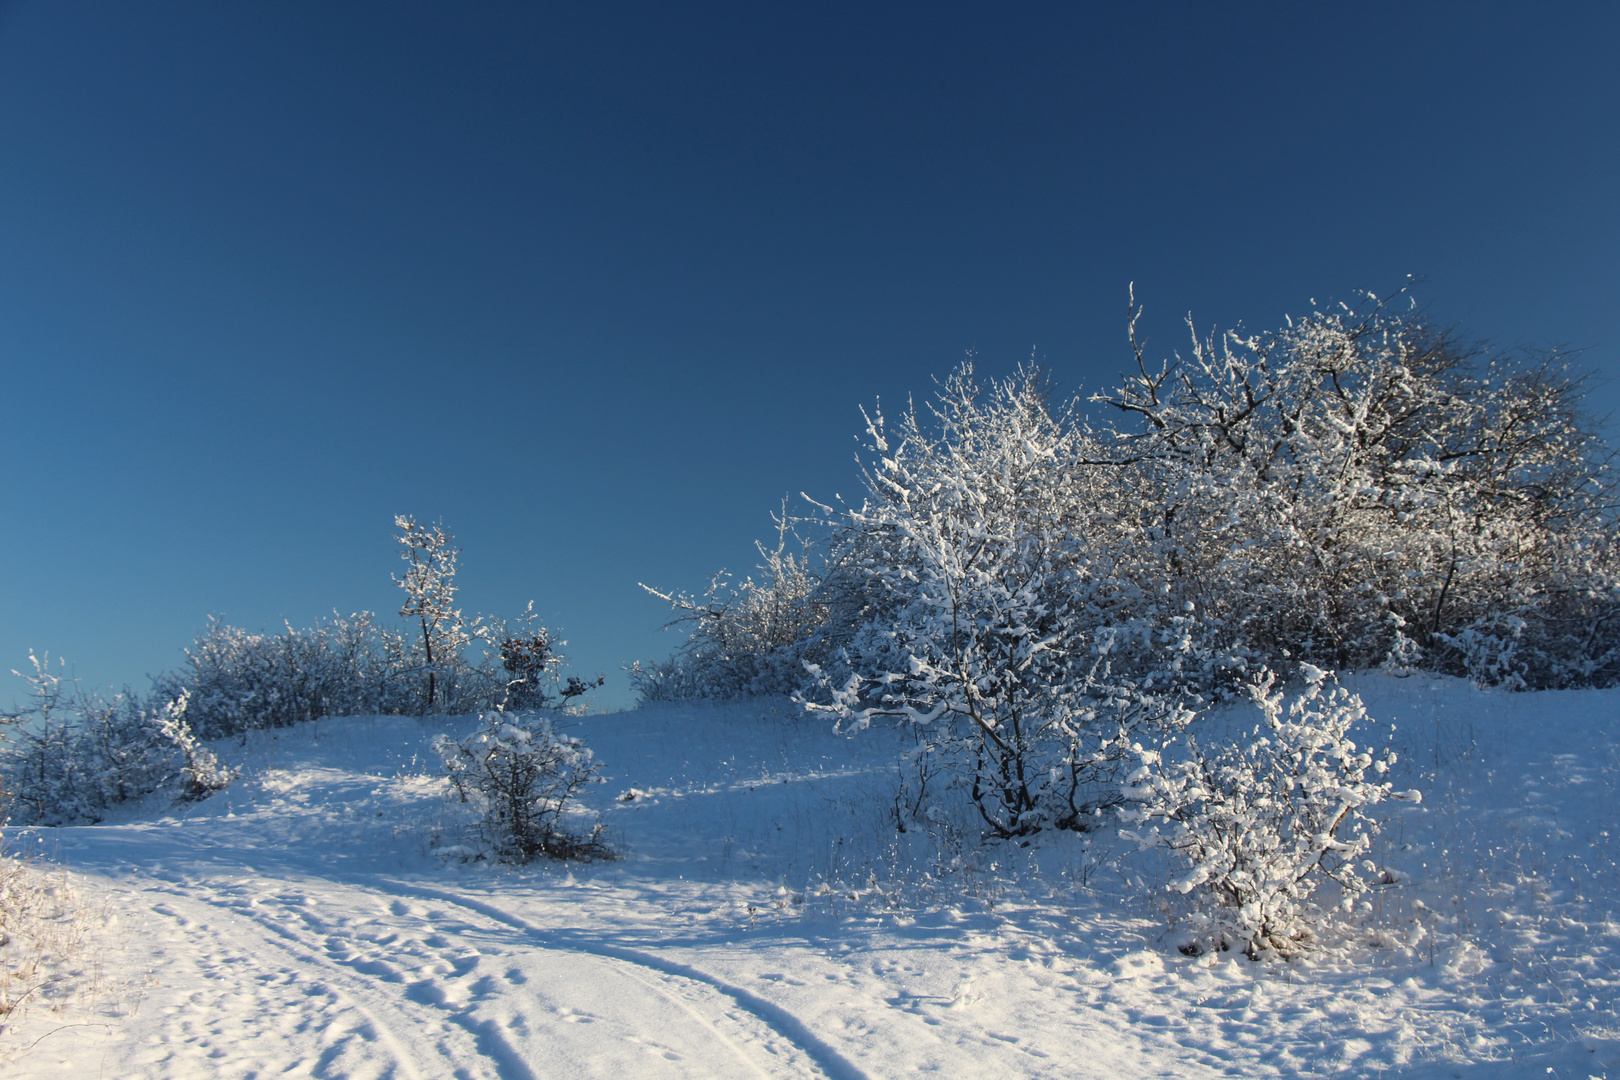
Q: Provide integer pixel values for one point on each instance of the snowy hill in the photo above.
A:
(768, 919)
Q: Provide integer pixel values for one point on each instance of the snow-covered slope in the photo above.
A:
(767, 919)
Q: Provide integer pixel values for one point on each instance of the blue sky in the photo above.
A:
(599, 284)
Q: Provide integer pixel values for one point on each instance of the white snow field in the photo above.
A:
(767, 920)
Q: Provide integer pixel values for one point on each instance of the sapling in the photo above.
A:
(430, 593)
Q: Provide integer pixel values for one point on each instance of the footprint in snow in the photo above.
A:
(1138, 964)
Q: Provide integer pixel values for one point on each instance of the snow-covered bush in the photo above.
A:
(747, 638)
(522, 776)
(664, 680)
(201, 773)
(72, 756)
(1272, 830)
(1351, 488)
(1035, 591)
(352, 666)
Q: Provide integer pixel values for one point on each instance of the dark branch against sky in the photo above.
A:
(599, 284)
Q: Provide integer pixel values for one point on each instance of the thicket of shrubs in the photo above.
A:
(1046, 598)
(81, 754)
(69, 757)
(1353, 489)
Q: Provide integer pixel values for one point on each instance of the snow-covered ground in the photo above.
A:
(767, 919)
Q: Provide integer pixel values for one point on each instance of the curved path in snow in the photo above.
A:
(334, 978)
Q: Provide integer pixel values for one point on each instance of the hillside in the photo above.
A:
(767, 919)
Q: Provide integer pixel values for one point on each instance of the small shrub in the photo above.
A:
(666, 680)
(521, 775)
(201, 773)
(525, 657)
(1265, 827)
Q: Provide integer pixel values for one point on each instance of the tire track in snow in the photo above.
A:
(492, 1044)
(703, 1021)
(781, 1022)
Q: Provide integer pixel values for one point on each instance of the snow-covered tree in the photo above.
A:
(430, 593)
(201, 773)
(40, 773)
(986, 606)
(1032, 589)
(529, 657)
(530, 673)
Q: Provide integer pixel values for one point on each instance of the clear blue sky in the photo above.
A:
(598, 284)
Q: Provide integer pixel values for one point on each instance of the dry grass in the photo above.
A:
(47, 952)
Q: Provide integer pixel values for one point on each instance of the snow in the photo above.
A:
(768, 920)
